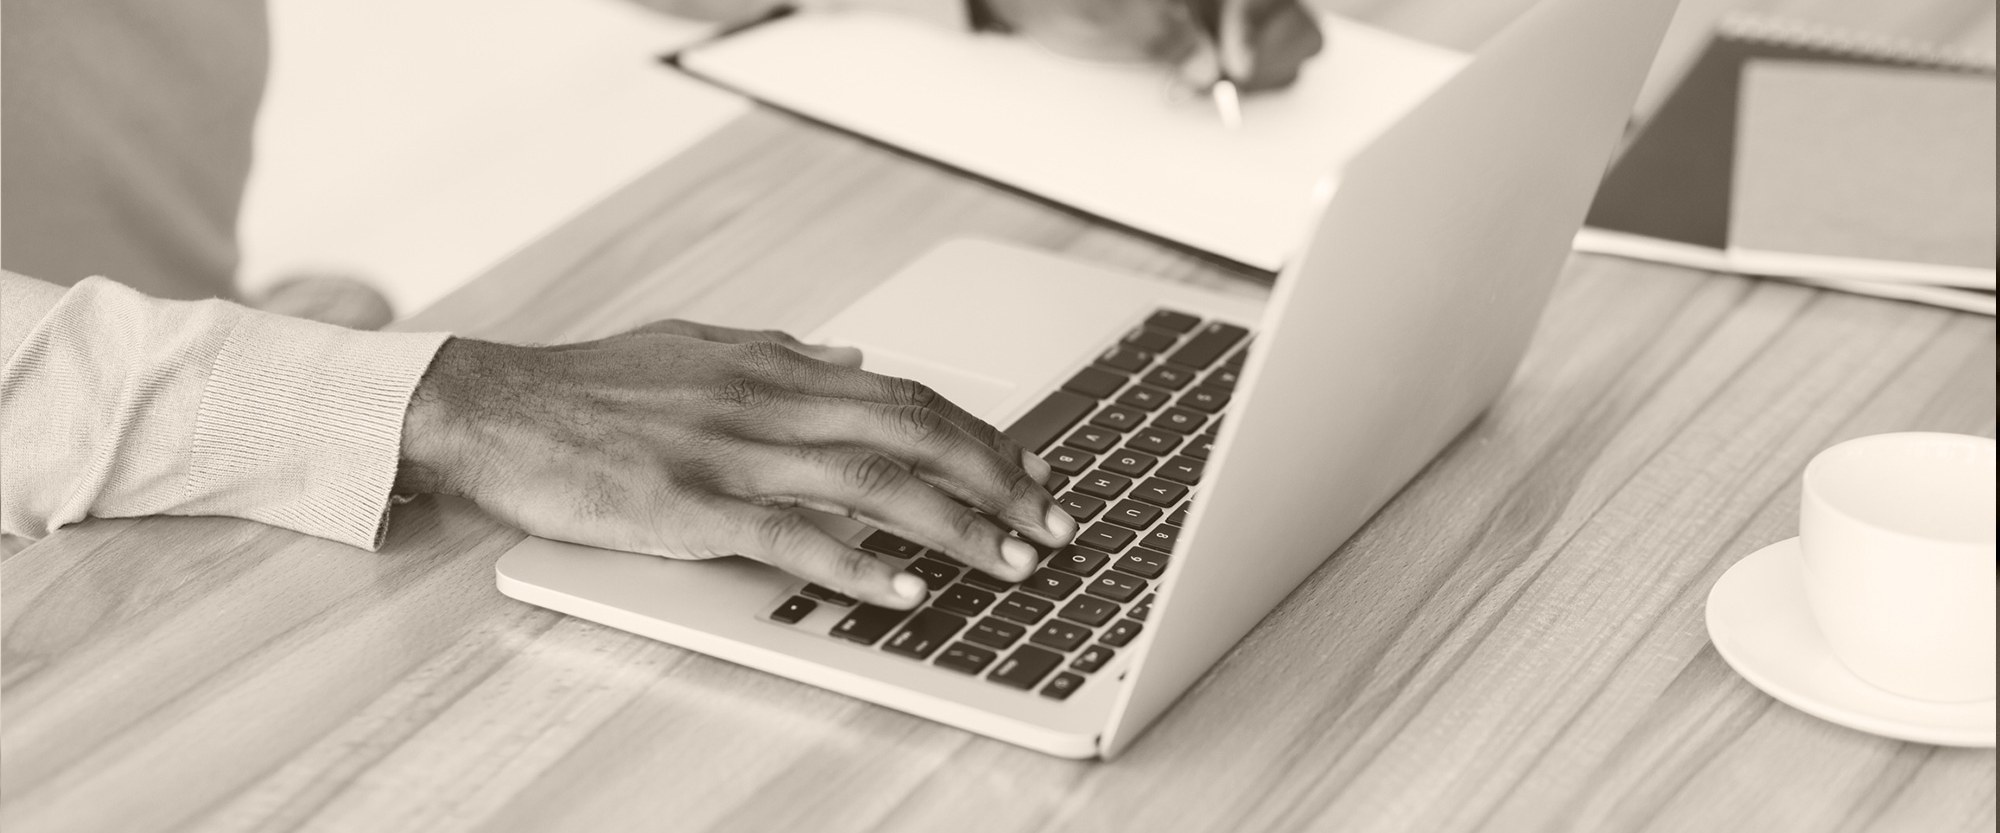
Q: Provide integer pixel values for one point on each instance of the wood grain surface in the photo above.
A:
(1515, 643)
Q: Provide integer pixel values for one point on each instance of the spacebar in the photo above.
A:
(1040, 426)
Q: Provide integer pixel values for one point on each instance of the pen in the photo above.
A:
(1228, 106)
(1223, 91)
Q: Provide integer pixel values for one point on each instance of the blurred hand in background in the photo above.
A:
(1263, 43)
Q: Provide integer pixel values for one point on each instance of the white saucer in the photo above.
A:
(1759, 622)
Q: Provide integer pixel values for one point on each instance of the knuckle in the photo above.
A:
(913, 392)
(968, 526)
(768, 355)
(919, 426)
(775, 531)
(869, 473)
(1023, 490)
(746, 392)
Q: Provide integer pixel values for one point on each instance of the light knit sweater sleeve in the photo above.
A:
(113, 404)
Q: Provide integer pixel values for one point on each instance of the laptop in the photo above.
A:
(1215, 450)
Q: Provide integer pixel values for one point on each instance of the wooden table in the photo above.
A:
(1516, 643)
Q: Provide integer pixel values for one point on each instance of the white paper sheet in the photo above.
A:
(1117, 141)
(417, 143)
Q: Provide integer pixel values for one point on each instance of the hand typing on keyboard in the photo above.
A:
(689, 441)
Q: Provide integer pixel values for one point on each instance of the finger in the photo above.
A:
(852, 383)
(846, 356)
(784, 540)
(933, 450)
(880, 492)
(1202, 68)
(1286, 37)
(1233, 40)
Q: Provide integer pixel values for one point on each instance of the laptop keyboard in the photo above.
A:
(1127, 438)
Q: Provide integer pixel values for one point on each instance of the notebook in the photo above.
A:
(417, 145)
(1117, 141)
(1853, 162)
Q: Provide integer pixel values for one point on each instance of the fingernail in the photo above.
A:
(909, 587)
(1018, 554)
(849, 356)
(1036, 467)
(1060, 523)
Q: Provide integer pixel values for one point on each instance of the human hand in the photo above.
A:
(688, 441)
(1263, 43)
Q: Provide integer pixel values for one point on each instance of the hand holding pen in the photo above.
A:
(1222, 55)
(1253, 45)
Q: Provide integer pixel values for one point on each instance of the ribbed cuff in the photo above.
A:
(304, 422)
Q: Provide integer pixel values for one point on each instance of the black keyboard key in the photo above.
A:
(1204, 399)
(1066, 460)
(1179, 322)
(1183, 469)
(1144, 398)
(1116, 586)
(1151, 340)
(1079, 506)
(1118, 418)
(927, 631)
(1144, 563)
(1143, 609)
(1060, 635)
(1129, 463)
(1095, 382)
(1162, 538)
(964, 601)
(1106, 537)
(1088, 611)
(1092, 658)
(1051, 584)
(1101, 484)
(1168, 376)
(1236, 359)
(987, 581)
(1153, 441)
(1200, 447)
(995, 633)
(1064, 685)
(1024, 608)
(886, 544)
(1093, 439)
(935, 573)
(1208, 344)
(1081, 561)
(1133, 514)
(1049, 419)
(1179, 420)
(794, 609)
(1025, 667)
(1159, 492)
(1055, 483)
(828, 595)
(1128, 359)
(1179, 517)
(1121, 634)
(1222, 378)
(868, 623)
(966, 659)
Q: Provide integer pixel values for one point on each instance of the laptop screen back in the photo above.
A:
(1415, 298)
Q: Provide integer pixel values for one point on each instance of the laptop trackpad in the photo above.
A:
(981, 396)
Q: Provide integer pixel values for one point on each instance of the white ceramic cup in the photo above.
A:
(1897, 532)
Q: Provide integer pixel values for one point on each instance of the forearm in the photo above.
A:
(113, 404)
